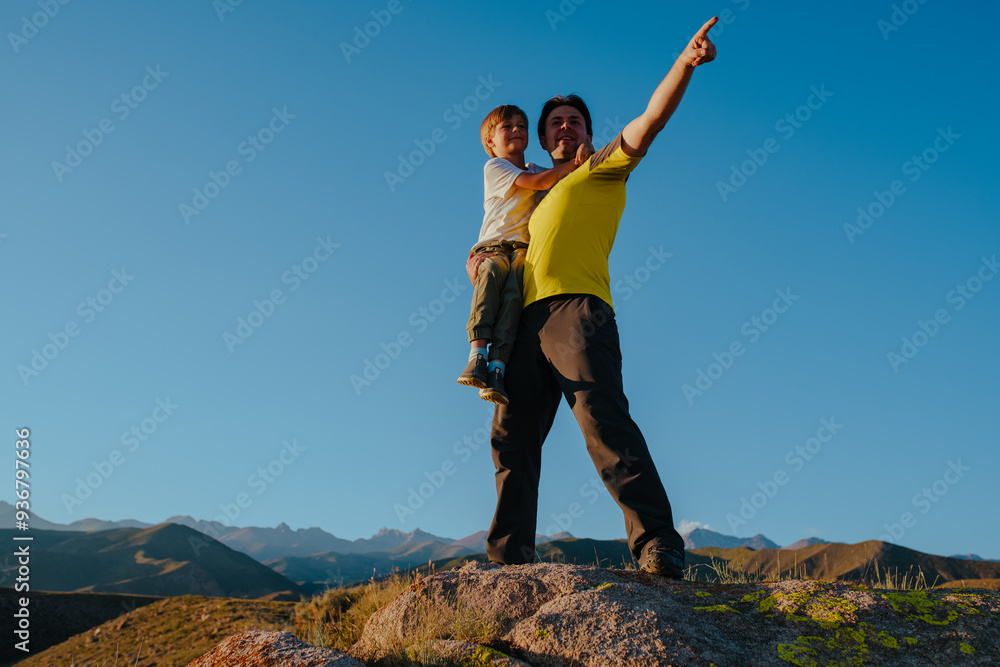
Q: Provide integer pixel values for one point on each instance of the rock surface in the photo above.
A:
(271, 649)
(465, 654)
(550, 614)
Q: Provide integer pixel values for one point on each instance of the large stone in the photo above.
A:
(550, 614)
(271, 649)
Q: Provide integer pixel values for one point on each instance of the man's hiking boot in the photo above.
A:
(662, 560)
(474, 374)
(494, 390)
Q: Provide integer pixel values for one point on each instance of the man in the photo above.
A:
(567, 341)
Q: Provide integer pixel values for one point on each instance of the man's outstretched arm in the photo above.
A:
(639, 134)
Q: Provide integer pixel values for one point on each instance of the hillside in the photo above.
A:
(168, 633)
(64, 614)
(163, 560)
(334, 569)
(852, 562)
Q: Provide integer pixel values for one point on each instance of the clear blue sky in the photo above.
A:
(308, 130)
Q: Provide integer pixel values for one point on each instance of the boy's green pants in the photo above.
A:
(496, 299)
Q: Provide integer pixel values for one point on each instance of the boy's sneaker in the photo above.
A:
(474, 374)
(662, 560)
(494, 390)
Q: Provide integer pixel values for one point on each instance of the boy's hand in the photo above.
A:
(583, 153)
(472, 266)
(700, 49)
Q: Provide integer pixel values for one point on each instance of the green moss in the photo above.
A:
(483, 656)
(603, 587)
(843, 642)
(847, 643)
(917, 605)
(767, 604)
(798, 655)
(845, 646)
(717, 607)
(541, 634)
(798, 598)
(964, 601)
(703, 594)
(830, 612)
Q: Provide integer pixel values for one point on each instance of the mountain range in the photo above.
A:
(386, 548)
(266, 544)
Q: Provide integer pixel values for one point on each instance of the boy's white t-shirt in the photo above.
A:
(507, 207)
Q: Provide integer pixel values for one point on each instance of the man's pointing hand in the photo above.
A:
(700, 49)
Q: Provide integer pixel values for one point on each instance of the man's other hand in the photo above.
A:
(472, 266)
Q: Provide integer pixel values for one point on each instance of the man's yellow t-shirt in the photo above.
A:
(574, 227)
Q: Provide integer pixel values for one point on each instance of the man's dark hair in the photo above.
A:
(559, 100)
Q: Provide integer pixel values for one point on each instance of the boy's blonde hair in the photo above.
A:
(494, 118)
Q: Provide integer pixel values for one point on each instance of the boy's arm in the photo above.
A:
(546, 179)
(639, 134)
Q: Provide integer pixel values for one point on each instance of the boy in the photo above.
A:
(512, 190)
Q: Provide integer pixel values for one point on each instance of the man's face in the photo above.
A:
(565, 131)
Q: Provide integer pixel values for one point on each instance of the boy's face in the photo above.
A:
(565, 130)
(510, 137)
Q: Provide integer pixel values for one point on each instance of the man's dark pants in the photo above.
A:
(568, 346)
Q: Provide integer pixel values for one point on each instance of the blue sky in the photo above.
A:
(219, 162)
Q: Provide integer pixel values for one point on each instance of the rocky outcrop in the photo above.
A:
(549, 614)
(271, 649)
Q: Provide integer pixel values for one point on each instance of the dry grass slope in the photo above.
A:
(169, 633)
(872, 563)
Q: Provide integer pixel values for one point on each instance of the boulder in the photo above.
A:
(554, 614)
(271, 649)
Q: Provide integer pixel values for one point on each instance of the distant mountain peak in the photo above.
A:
(974, 557)
(703, 537)
(284, 528)
(807, 542)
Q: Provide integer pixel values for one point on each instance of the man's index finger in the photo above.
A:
(708, 26)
